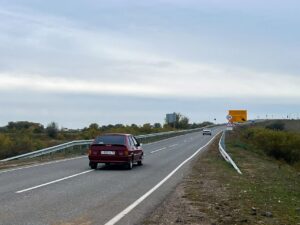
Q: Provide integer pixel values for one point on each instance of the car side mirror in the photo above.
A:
(138, 144)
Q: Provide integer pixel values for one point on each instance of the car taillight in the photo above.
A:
(123, 153)
(92, 152)
(126, 152)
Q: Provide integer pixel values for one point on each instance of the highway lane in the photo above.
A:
(93, 196)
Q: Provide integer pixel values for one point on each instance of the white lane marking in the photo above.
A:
(42, 164)
(173, 149)
(158, 150)
(171, 146)
(183, 135)
(127, 210)
(52, 182)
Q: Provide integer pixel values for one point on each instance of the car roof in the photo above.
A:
(116, 134)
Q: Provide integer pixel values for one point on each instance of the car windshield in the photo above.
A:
(110, 139)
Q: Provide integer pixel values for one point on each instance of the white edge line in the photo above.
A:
(173, 145)
(52, 182)
(41, 164)
(158, 150)
(119, 216)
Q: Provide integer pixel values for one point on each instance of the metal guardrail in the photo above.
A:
(50, 150)
(86, 143)
(225, 155)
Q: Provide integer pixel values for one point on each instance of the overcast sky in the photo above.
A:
(117, 61)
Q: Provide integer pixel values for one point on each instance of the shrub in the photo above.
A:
(278, 144)
(23, 144)
(52, 130)
(276, 126)
(6, 146)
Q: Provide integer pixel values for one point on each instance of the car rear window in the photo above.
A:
(110, 139)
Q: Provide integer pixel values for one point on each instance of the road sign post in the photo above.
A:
(229, 124)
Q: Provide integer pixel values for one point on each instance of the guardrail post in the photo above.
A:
(80, 148)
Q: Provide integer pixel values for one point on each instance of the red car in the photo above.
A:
(117, 149)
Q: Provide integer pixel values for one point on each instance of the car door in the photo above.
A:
(138, 149)
(131, 146)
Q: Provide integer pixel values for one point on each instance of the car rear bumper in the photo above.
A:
(110, 159)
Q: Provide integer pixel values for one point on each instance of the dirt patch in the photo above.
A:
(177, 209)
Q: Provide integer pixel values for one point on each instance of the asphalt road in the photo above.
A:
(69, 192)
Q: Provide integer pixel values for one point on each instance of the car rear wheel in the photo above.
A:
(93, 165)
(130, 165)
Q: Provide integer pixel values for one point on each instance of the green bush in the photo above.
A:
(276, 126)
(281, 145)
(52, 130)
(6, 146)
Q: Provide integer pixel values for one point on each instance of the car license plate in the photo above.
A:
(107, 152)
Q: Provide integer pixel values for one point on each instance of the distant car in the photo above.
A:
(116, 149)
(206, 132)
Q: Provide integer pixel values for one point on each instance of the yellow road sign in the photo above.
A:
(238, 116)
